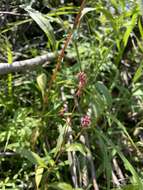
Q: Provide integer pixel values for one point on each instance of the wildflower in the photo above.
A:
(85, 121)
(82, 79)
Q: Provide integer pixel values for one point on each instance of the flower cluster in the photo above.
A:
(82, 80)
(85, 121)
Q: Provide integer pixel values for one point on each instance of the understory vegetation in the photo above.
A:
(75, 120)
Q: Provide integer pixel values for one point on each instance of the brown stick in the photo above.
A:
(69, 36)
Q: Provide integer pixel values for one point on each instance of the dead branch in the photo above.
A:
(28, 64)
(16, 66)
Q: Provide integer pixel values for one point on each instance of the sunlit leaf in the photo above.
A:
(77, 147)
(86, 10)
(43, 23)
(38, 175)
(138, 73)
(129, 29)
(42, 83)
(140, 28)
(61, 186)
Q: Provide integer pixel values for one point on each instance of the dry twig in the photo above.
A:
(28, 64)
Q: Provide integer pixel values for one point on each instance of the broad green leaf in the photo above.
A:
(32, 157)
(43, 23)
(61, 186)
(38, 176)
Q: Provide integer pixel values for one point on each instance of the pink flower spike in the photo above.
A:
(85, 121)
(82, 78)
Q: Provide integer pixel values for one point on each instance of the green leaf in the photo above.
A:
(129, 29)
(38, 176)
(9, 60)
(86, 10)
(61, 186)
(43, 23)
(115, 4)
(128, 166)
(42, 83)
(98, 107)
(138, 73)
(121, 126)
(129, 187)
(140, 28)
(102, 89)
(78, 147)
(32, 157)
(108, 16)
(62, 131)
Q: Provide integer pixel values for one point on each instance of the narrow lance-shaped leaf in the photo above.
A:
(42, 82)
(129, 29)
(9, 59)
(38, 176)
(127, 164)
(43, 23)
(138, 73)
(60, 140)
(140, 28)
(104, 92)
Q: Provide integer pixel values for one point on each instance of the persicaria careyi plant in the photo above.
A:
(85, 121)
(82, 80)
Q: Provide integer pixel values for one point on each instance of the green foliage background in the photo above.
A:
(34, 139)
